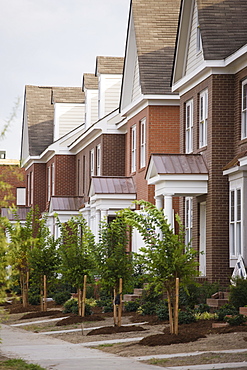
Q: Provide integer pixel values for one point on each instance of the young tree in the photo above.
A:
(44, 259)
(113, 261)
(165, 255)
(21, 242)
(76, 251)
(3, 264)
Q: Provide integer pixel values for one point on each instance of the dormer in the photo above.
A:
(69, 109)
(109, 71)
(90, 88)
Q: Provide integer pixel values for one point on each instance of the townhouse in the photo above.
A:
(209, 73)
(166, 123)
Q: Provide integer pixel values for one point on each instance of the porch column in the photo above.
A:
(168, 210)
(159, 201)
(104, 214)
(97, 225)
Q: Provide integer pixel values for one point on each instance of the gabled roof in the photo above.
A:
(223, 27)
(109, 65)
(155, 25)
(39, 110)
(113, 185)
(90, 81)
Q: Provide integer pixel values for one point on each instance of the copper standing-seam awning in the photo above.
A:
(112, 185)
(17, 214)
(66, 203)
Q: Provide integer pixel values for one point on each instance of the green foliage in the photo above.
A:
(238, 293)
(165, 255)
(205, 316)
(4, 281)
(71, 306)
(196, 293)
(235, 320)
(147, 308)
(61, 297)
(131, 306)
(76, 246)
(202, 307)
(33, 298)
(186, 317)
(227, 309)
(113, 262)
(162, 311)
(18, 364)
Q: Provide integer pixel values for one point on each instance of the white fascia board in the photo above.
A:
(231, 170)
(148, 100)
(29, 161)
(231, 65)
(243, 161)
(62, 213)
(85, 141)
(176, 177)
(116, 204)
(95, 197)
(182, 188)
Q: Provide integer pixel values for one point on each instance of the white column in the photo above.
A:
(168, 210)
(104, 214)
(159, 201)
(97, 225)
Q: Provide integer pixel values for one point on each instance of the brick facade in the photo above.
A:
(14, 176)
(162, 127)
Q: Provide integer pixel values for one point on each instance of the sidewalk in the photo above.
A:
(56, 354)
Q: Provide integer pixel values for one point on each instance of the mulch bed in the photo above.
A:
(75, 319)
(189, 333)
(33, 315)
(115, 329)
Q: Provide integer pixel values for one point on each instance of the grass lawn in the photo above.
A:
(17, 364)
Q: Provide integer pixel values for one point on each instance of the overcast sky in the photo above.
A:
(52, 43)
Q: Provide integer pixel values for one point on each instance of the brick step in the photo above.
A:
(216, 303)
(138, 291)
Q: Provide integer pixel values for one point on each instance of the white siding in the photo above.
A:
(109, 93)
(194, 58)
(91, 107)
(136, 88)
(67, 117)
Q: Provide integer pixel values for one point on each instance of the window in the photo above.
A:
(20, 196)
(98, 160)
(188, 220)
(133, 149)
(48, 183)
(31, 188)
(235, 222)
(52, 179)
(143, 143)
(92, 162)
(189, 127)
(203, 118)
(244, 109)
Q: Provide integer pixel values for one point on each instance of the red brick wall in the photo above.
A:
(112, 161)
(39, 185)
(217, 154)
(162, 128)
(15, 177)
(65, 175)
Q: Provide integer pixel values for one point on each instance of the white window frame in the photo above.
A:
(189, 126)
(98, 160)
(143, 143)
(92, 162)
(48, 183)
(188, 220)
(235, 220)
(53, 179)
(20, 196)
(244, 110)
(31, 187)
(133, 148)
(203, 118)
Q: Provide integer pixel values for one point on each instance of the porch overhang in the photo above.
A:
(178, 174)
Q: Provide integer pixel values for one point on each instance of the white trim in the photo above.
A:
(244, 109)
(189, 126)
(133, 147)
(143, 142)
(203, 118)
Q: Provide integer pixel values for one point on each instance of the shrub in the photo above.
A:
(108, 307)
(202, 307)
(33, 298)
(235, 320)
(205, 316)
(162, 311)
(148, 308)
(71, 306)
(61, 297)
(88, 309)
(227, 309)
(186, 317)
(238, 293)
(131, 306)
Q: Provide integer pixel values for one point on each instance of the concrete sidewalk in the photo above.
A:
(55, 354)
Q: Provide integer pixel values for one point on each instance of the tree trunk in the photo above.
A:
(120, 302)
(170, 312)
(79, 302)
(45, 293)
(84, 296)
(114, 308)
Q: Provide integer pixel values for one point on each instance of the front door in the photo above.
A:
(202, 246)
